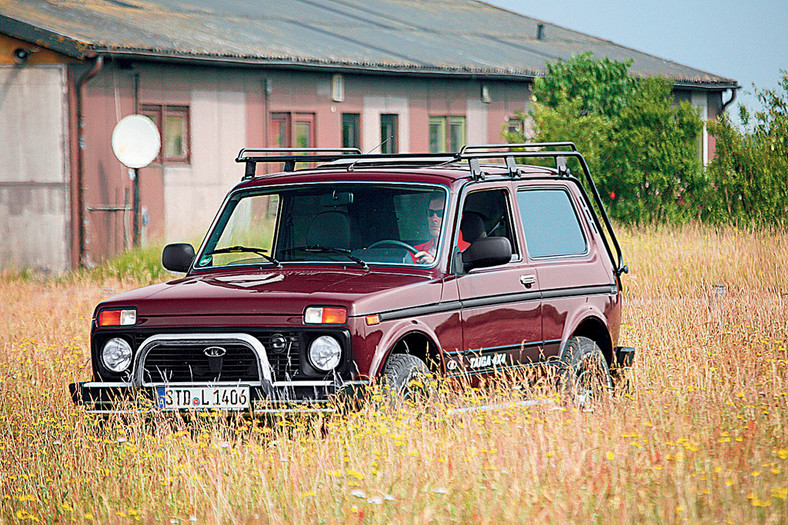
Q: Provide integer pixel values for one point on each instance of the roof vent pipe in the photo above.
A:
(539, 31)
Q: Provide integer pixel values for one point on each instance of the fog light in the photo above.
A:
(325, 353)
(116, 354)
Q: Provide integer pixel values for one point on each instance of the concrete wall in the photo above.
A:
(192, 194)
(34, 197)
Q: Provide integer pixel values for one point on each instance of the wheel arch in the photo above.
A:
(416, 340)
(594, 328)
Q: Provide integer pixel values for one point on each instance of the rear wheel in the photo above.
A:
(585, 375)
(406, 377)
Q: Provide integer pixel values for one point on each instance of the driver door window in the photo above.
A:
(487, 214)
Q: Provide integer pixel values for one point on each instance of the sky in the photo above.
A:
(746, 40)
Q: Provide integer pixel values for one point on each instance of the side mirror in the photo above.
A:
(177, 257)
(487, 251)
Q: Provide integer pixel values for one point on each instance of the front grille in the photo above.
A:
(188, 363)
(171, 363)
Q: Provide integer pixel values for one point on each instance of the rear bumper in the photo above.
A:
(264, 398)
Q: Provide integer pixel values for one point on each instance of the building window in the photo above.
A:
(292, 130)
(437, 134)
(338, 88)
(280, 130)
(447, 134)
(302, 130)
(388, 133)
(173, 125)
(350, 130)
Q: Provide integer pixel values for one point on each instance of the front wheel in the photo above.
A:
(406, 376)
(585, 375)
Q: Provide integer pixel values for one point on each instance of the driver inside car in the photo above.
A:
(428, 250)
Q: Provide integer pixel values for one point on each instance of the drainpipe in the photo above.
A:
(725, 105)
(98, 63)
(137, 236)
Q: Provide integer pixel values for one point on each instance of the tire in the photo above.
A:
(585, 376)
(406, 377)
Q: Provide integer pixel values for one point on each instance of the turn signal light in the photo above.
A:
(117, 317)
(325, 315)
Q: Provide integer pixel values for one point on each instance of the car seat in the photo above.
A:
(330, 229)
(472, 226)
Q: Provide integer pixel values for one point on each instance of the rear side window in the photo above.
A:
(550, 223)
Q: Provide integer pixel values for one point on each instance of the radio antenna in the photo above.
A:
(379, 145)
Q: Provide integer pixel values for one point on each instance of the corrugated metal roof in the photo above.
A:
(438, 37)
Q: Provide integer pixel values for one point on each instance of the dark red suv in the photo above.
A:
(315, 282)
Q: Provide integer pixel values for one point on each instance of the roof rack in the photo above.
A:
(251, 156)
(473, 153)
(509, 152)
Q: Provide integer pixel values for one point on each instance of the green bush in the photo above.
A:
(142, 265)
(747, 178)
(640, 147)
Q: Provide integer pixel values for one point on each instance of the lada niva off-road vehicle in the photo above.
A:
(315, 282)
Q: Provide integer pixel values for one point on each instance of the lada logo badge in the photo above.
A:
(214, 351)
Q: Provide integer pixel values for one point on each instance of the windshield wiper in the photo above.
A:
(242, 249)
(316, 248)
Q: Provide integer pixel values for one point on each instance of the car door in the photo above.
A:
(575, 275)
(500, 305)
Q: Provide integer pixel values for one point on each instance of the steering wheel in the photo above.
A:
(393, 242)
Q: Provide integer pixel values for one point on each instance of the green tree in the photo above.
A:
(640, 147)
(602, 86)
(748, 174)
(652, 165)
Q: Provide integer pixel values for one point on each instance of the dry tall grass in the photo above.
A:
(702, 438)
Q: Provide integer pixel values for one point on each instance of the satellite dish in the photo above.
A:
(136, 141)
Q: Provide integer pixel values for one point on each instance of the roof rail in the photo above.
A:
(251, 156)
(484, 148)
(349, 157)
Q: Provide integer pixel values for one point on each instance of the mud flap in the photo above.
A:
(623, 359)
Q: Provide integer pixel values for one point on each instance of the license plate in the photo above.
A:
(202, 397)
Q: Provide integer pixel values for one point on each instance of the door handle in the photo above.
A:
(527, 280)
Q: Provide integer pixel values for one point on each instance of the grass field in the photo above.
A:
(702, 438)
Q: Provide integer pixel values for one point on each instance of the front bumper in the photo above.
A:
(264, 398)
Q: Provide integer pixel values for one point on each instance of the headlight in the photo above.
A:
(324, 353)
(116, 354)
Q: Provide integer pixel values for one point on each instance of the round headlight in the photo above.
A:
(324, 353)
(116, 354)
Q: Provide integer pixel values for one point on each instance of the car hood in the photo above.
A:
(280, 292)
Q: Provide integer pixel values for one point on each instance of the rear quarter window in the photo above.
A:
(550, 223)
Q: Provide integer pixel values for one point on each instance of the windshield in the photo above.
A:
(349, 223)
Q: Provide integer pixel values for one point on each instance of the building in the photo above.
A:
(383, 75)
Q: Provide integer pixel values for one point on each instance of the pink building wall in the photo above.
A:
(230, 109)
